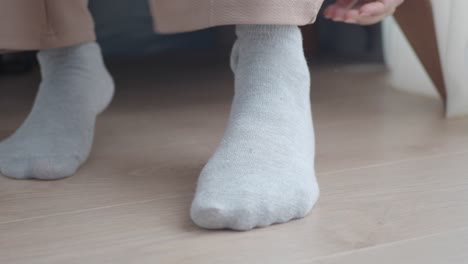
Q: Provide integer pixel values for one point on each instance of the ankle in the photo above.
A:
(268, 31)
(78, 53)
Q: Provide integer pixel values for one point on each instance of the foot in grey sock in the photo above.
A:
(57, 135)
(263, 171)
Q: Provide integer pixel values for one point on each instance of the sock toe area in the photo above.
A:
(41, 168)
(245, 212)
(214, 215)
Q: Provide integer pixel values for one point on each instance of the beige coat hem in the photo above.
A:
(45, 24)
(173, 16)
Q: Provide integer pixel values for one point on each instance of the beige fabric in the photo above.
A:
(187, 15)
(42, 24)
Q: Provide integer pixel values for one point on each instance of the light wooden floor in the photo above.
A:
(393, 173)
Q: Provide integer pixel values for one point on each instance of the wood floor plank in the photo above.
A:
(447, 248)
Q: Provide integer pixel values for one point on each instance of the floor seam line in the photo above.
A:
(393, 162)
(389, 244)
(84, 210)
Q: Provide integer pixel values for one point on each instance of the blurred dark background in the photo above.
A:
(124, 28)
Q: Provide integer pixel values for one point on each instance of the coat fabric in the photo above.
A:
(43, 24)
(188, 15)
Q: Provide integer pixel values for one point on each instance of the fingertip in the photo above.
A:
(350, 21)
(340, 14)
(326, 13)
(352, 16)
(330, 10)
(372, 9)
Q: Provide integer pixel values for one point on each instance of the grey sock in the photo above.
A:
(57, 135)
(263, 171)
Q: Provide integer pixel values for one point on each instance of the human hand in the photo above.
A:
(361, 12)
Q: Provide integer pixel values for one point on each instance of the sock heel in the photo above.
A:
(108, 91)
